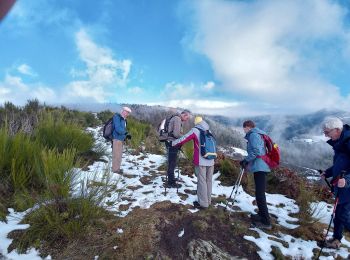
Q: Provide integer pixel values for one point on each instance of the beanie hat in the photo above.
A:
(197, 120)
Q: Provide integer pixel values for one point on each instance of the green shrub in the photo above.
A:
(60, 135)
(4, 147)
(3, 211)
(71, 217)
(58, 173)
(105, 115)
(139, 132)
(152, 144)
(187, 149)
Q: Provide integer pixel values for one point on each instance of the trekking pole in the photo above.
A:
(332, 217)
(166, 173)
(178, 178)
(328, 184)
(183, 153)
(235, 188)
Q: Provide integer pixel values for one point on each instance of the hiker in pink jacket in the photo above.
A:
(204, 167)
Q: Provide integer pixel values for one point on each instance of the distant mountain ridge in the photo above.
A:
(287, 127)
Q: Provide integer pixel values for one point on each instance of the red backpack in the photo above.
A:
(272, 156)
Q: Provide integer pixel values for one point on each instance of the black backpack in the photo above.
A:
(163, 128)
(108, 130)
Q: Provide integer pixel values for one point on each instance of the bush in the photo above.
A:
(187, 149)
(71, 217)
(104, 116)
(229, 172)
(60, 135)
(58, 173)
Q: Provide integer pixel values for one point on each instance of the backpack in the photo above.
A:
(272, 156)
(108, 130)
(163, 128)
(208, 144)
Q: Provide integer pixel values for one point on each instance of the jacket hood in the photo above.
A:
(203, 125)
(255, 130)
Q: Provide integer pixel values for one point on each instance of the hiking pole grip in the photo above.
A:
(328, 184)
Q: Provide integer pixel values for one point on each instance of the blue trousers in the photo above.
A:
(341, 220)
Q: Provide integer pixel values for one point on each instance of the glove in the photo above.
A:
(128, 137)
(244, 163)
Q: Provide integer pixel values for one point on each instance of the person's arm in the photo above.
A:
(329, 172)
(190, 135)
(255, 141)
(176, 120)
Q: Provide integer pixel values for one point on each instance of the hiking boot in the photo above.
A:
(333, 243)
(197, 205)
(255, 217)
(261, 225)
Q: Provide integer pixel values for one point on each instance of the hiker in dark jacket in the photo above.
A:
(252, 163)
(119, 136)
(204, 168)
(174, 132)
(339, 135)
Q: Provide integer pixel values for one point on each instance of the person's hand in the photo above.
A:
(243, 163)
(322, 174)
(128, 137)
(341, 183)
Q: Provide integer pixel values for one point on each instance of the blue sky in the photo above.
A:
(226, 57)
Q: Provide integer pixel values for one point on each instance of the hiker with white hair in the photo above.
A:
(119, 136)
(339, 135)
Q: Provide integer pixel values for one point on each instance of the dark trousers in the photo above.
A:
(172, 159)
(260, 186)
(341, 220)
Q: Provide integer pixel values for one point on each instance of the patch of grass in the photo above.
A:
(3, 211)
(200, 225)
(65, 218)
(51, 224)
(277, 254)
(57, 134)
(229, 172)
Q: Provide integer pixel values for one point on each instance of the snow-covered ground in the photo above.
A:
(13, 220)
(142, 183)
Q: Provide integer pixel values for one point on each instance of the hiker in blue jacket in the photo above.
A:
(339, 135)
(119, 136)
(256, 148)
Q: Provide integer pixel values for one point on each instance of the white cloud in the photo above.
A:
(103, 75)
(30, 14)
(266, 49)
(13, 89)
(174, 90)
(211, 107)
(101, 80)
(209, 85)
(135, 90)
(26, 70)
